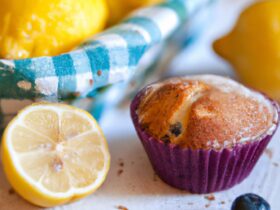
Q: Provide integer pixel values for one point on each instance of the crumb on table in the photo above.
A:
(207, 205)
(120, 207)
(269, 153)
(210, 197)
(121, 165)
(275, 164)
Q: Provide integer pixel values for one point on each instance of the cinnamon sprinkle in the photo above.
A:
(120, 171)
(11, 191)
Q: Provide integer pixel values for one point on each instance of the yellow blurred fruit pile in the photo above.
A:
(38, 27)
(253, 47)
(35, 28)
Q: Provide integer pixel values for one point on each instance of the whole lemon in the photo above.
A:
(253, 47)
(120, 8)
(34, 28)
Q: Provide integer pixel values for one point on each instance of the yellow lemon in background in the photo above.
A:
(54, 154)
(34, 28)
(120, 8)
(253, 47)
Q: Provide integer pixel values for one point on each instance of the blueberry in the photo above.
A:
(176, 129)
(250, 202)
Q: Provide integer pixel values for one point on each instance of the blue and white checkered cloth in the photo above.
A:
(107, 58)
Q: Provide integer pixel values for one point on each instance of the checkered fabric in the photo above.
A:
(107, 58)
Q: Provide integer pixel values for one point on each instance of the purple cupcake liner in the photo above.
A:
(200, 171)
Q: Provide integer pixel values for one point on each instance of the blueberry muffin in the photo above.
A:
(203, 133)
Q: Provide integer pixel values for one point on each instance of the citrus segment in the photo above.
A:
(57, 152)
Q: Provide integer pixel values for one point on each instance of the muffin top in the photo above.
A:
(205, 112)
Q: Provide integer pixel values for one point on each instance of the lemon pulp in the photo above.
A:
(53, 154)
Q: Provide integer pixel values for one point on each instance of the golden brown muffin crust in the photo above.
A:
(157, 109)
(196, 115)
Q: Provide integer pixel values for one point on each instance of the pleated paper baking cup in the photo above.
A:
(200, 171)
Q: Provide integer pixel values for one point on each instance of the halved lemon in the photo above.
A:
(53, 154)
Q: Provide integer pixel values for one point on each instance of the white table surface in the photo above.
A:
(134, 185)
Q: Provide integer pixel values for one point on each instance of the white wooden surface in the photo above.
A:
(134, 185)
